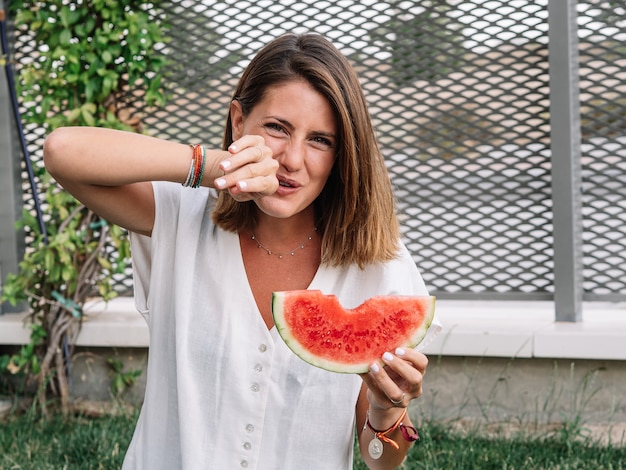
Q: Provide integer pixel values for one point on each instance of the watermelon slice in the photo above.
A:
(319, 330)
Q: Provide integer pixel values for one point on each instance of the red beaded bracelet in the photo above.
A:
(196, 170)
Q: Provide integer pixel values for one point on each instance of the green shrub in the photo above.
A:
(89, 56)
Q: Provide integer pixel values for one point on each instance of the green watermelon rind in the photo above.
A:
(336, 366)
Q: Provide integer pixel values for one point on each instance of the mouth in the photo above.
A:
(285, 183)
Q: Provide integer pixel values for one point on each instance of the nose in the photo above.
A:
(291, 155)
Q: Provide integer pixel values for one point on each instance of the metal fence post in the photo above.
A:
(11, 239)
(11, 243)
(566, 160)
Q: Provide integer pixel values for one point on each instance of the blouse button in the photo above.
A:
(263, 348)
(250, 428)
(255, 387)
(247, 445)
(258, 367)
(244, 464)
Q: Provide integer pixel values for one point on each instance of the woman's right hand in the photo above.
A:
(250, 171)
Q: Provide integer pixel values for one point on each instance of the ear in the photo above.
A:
(236, 119)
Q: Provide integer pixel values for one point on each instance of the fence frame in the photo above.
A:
(11, 240)
(566, 160)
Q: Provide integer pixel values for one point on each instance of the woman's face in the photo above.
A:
(299, 126)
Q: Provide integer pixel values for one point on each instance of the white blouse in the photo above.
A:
(222, 391)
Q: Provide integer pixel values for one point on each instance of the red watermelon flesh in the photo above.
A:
(319, 330)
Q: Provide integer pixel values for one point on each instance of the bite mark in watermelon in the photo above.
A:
(319, 330)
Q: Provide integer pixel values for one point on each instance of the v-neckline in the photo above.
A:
(234, 246)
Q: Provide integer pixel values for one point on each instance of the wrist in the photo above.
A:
(215, 170)
(384, 418)
(401, 429)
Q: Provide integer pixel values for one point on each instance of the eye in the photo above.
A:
(273, 127)
(323, 142)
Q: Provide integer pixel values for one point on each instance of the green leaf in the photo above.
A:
(67, 273)
(90, 107)
(34, 364)
(46, 104)
(4, 362)
(80, 30)
(91, 88)
(54, 274)
(107, 85)
(24, 17)
(36, 25)
(117, 384)
(102, 40)
(65, 37)
(104, 263)
(49, 260)
(58, 52)
(65, 15)
(38, 333)
(74, 115)
(76, 15)
(115, 364)
(87, 117)
(90, 24)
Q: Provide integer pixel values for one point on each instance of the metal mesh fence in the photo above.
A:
(602, 33)
(459, 95)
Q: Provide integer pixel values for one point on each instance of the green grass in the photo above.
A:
(57, 443)
(100, 443)
(439, 448)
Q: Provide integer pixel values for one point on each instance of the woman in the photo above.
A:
(299, 198)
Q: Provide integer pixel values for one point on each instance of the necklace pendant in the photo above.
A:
(375, 448)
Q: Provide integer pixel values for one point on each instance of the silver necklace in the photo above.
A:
(290, 252)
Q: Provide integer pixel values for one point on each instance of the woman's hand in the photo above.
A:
(250, 171)
(400, 381)
(384, 397)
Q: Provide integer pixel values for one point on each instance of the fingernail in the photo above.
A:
(242, 185)
(225, 164)
(400, 351)
(388, 356)
(232, 147)
(220, 182)
(374, 367)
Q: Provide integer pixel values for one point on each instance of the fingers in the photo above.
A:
(400, 381)
(249, 171)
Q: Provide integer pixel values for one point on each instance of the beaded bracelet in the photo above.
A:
(375, 448)
(196, 169)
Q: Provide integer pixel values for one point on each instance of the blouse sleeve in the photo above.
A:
(143, 248)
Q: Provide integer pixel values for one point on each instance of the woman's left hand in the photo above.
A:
(399, 382)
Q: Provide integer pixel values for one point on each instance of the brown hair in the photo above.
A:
(355, 212)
